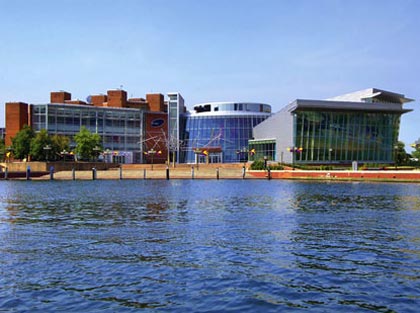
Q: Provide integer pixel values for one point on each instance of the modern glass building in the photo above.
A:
(121, 129)
(361, 126)
(219, 131)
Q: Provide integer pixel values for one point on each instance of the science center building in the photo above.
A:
(362, 126)
(218, 132)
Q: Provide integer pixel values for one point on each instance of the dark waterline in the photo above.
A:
(209, 246)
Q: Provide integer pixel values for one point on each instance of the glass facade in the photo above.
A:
(343, 137)
(120, 129)
(175, 109)
(223, 135)
(263, 149)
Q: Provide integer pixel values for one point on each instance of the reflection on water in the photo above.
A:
(209, 246)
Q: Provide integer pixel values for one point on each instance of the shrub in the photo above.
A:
(258, 165)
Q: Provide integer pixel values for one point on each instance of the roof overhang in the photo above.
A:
(327, 105)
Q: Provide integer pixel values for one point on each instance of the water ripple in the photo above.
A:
(209, 246)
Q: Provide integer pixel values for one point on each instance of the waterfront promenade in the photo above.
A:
(214, 171)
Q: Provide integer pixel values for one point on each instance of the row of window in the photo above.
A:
(344, 137)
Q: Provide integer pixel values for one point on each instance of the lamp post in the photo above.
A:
(64, 154)
(96, 150)
(329, 155)
(197, 153)
(47, 149)
(395, 155)
(152, 153)
(293, 151)
(242, 153)
(107, 154)
(9, 150)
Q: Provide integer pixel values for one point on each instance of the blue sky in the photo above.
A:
(211, 50)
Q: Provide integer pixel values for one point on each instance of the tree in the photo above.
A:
(59, 144)
(21, 143)
(87, 144)
(38, 144)
(401, 157)
(56, 144)
(2, 150)
(416, 152)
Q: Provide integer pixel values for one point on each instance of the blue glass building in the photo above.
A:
(218, 132)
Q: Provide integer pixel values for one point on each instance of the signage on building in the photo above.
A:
(158, 122)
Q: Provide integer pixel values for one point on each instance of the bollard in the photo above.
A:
(52, 173)
(73, 173)
(93, 173)
(243, 172)
(6, 173)
(121, 174)
(167, 173)
(268, 174)
(192, 172)
(28, 173)
(144, 174)
(217, 173)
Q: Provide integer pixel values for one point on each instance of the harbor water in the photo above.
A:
(209, 246)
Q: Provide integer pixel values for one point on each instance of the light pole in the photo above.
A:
(197, 153)
(152, 153)
(9, 150)
(107, 154)
(329, 155)
(96, 153)
(64, 154)
(395, 155)
(293, 151)
(47, 149)
(242, 153)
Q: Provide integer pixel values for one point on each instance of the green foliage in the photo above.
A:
(276, 167)
(87, 144)
(58, 144)
(38, 144)
(2, 150)
(401, 156)
(258, 165)
(416, 153)
(21, 143)
(26, 142)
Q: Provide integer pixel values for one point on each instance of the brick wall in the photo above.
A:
(156, 102)
(117, 98)
(16, 117)
(60, 97)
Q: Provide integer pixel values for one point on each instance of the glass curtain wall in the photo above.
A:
(343, 137)
(229, 133)
(120, 129)
(263, 149)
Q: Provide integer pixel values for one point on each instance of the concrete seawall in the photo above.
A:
(402, 176)
(213, 171)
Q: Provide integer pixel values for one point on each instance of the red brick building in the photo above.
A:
(129, 127)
